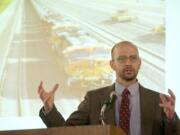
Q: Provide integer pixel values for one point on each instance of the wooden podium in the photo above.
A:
(75, 130)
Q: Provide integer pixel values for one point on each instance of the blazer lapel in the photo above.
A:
(147, 111)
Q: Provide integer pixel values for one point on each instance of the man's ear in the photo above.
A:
(139, 63)
(112, 64)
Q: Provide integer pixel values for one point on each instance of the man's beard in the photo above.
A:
(129, 77)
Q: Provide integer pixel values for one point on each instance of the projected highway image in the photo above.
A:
(69, 42)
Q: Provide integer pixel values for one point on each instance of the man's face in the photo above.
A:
(126, 62)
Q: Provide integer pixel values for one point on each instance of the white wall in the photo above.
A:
(15, 123)
(173, 50)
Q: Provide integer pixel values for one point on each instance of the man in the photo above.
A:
(144, 114)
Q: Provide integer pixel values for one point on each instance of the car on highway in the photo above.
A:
(88, 66)
(122, 15)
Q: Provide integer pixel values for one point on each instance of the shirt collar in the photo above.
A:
(133, 89)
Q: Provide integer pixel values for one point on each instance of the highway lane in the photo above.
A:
(30, 60)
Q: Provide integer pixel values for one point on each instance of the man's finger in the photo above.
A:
(163, 99)
(164, 105)
(47, 98)
(41, 93)
(40, 87)
(56, 86)
(172, 101)
(171, 94)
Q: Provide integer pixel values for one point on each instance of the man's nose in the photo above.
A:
(128, 61)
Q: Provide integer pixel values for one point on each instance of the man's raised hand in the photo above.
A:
(47, 97)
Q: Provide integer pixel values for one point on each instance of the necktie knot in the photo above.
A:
(125, 92)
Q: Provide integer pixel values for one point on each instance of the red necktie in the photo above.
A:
(124, 113)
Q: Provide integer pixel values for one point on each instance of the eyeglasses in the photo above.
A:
(123, 59)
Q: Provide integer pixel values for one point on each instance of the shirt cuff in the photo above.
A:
(46, 112)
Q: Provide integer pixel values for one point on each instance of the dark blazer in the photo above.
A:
(153, 120)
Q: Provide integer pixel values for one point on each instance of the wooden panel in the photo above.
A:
(76, 130)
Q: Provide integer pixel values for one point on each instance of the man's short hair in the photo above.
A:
(122, 43)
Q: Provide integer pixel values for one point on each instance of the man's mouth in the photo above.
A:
(128, 71)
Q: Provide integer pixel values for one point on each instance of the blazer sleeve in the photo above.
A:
(79, 117)
(52, 118)
(171, 127)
